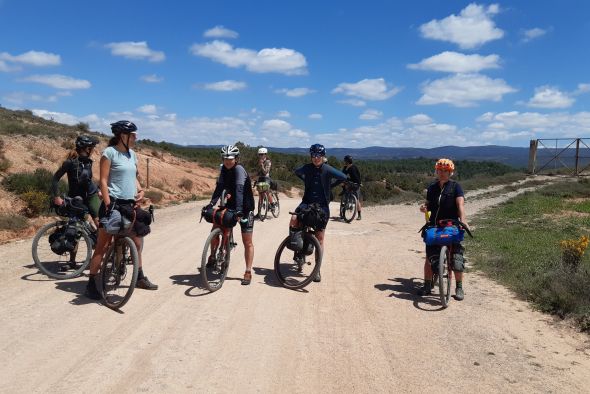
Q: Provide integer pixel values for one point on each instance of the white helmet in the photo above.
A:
(230, 152)
(262, 151)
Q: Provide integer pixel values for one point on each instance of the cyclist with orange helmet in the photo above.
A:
(445, 200)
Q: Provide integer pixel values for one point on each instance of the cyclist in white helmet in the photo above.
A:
(235, 180)
(263, 173)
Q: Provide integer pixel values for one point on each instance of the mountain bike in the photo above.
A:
(62, 249)
(349, 201)
(264, 204)
(443, 267)
(219, 244)
(119, 270)
(296, 269)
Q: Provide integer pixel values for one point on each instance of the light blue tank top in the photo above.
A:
(122, 177)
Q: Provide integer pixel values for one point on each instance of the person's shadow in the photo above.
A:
(270, 278)
(194, 282)
(77, 288)
(407, 289)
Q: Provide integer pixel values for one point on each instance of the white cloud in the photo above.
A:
(550, 97)
(296, 92)
(279, 60)
(371, 114)
(148, 109)
(419, 119)
(225, 86)
(152, 78)
(315, 116)
(62, 117)
(531, 34)
(367, 89)
(284, 114)
(33, 58)
(135, 50)
(220, 32)
(20, 98)
(280, 130)
(463, 90)
(582, 88)
(59, 81)
(455, 62)
(471, 28)
(353, 102)
(4, 67)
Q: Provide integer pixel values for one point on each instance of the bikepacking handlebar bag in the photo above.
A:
(221, 217)
(114, 223)
(443, 235)
(262, 186)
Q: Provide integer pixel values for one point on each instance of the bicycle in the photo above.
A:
(349, 201)
(264, 202)
(62, 249)
(446, 234)
(292, 269)
(214, 270)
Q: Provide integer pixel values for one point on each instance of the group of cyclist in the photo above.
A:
(119, 185)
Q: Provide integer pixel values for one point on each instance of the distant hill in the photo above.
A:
(515, 157)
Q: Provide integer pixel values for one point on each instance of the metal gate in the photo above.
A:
(568, 156)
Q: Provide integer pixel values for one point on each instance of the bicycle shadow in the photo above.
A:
(41, 276)
(194, 282)
(270, 278)
(78, 288)
(407, 289)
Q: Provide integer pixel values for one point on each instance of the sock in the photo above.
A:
(140, 274)
(459, 284)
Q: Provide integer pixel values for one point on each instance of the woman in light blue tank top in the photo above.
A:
(118, 183)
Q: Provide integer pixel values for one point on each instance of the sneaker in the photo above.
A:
(144, 283)
(459, 294)
(71, 265)
(425, 290)
(91, 291)
(358, 217)
(247, 278)
(210, 262)
(318, 277)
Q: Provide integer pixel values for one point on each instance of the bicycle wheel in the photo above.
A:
(444, 277)
(295, 270)
(214, 274)
(349, 208)
(67, 265)
(263, 207)
(119, 269)
(276, 207)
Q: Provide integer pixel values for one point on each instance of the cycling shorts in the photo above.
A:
(93, 203)
(247, 226)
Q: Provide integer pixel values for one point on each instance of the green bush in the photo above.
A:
(37, 202)
(39, 180)
(154, 195)
(13, 222)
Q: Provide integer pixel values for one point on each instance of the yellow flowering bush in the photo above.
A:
(573, 250)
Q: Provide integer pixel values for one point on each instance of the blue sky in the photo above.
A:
(292, 73)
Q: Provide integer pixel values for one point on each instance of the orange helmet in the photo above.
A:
(445, 165)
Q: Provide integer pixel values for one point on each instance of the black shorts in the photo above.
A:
(247, 226)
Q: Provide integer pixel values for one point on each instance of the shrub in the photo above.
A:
(158, 185)
(83, 126)
(572, 251)
(154, 195)
(68, 144)
(13, 222)
(23, 182)
(186, 184)
(4, 164)
(37, 202)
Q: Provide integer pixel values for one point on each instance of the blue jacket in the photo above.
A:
(326, 172)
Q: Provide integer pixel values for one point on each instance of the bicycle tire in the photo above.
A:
(444, 277)
(112, 272)
(276, 209)
(45, 258)
(213, 281)
(350, 207)
(284, 266)
(263, 207)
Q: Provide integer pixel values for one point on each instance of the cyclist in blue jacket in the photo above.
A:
(317, 177)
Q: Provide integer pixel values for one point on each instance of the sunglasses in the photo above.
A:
(316, 155)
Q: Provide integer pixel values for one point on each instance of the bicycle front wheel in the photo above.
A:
(60, 266)
(214, 270)
(444, 277)
(349, 207)
(119, 270)
(276, 208)
(263, 207)
(295, 270)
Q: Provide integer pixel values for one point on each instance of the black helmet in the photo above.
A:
(85, 141)
(348, 159)
(317, 149)
(123, 126)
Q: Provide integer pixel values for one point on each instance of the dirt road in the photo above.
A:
(361, 329)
